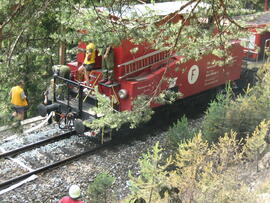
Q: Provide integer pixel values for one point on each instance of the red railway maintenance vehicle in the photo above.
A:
(141, 73)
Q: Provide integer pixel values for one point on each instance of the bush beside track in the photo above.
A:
(209, 166)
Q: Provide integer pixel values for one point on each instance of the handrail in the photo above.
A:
(142, 68)
(143, 62)
(73, 82)
(140, 58)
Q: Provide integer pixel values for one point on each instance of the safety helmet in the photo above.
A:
(74, 191)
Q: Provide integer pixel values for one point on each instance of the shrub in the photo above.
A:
(241, 115)
(204, 174)
(4, 118)
(99, 189)
(201, 174)
(180, 132)
(255, 144)
(213, 125)
(152, 178)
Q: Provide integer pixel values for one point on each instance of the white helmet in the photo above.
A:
(74, 191)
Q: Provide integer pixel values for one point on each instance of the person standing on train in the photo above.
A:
(74, 195)
(89, 61)
(107, 64)
(18, 100)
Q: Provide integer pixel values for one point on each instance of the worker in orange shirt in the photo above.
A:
(18, 100)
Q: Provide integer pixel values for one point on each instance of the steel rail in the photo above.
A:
(36, 144)
(53, 165)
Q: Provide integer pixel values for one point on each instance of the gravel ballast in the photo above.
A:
(52, 185)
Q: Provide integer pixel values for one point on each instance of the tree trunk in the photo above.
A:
(265, 5)
(62, 53)
(1, 36)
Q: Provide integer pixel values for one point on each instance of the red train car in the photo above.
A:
(258, 41)
(146, 72)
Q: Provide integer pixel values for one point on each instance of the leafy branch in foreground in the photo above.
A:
(141, 111)
(190, 37)
(113, 119)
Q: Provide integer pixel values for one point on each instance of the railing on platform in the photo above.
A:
(143, 62)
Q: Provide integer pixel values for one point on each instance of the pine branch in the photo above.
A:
(14, 13)
(43, 7)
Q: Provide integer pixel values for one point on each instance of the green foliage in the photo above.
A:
(227, 152)
(62, 71)
(224, 187)
(99, 189)
(27, 49)
(113, 119)
(152, 178)
(220, 182)
(4, 118)
(141, 110)
(191, 158)
(213, 123)
(208, 174)
(142, 27)
(242, 114)
(202, 173)
(255, 143)
(27, 52)
(180, 132)
(167, 97)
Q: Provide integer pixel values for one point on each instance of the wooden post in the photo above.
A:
(62, 47)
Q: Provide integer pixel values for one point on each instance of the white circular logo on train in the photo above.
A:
(193, 74)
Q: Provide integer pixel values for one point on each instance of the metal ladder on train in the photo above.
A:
(143, 62)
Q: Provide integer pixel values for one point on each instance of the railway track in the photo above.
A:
(36, 144)
(85, 149)
(47, 148)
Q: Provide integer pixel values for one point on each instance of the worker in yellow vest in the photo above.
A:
(18, 100)
(89, 60)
